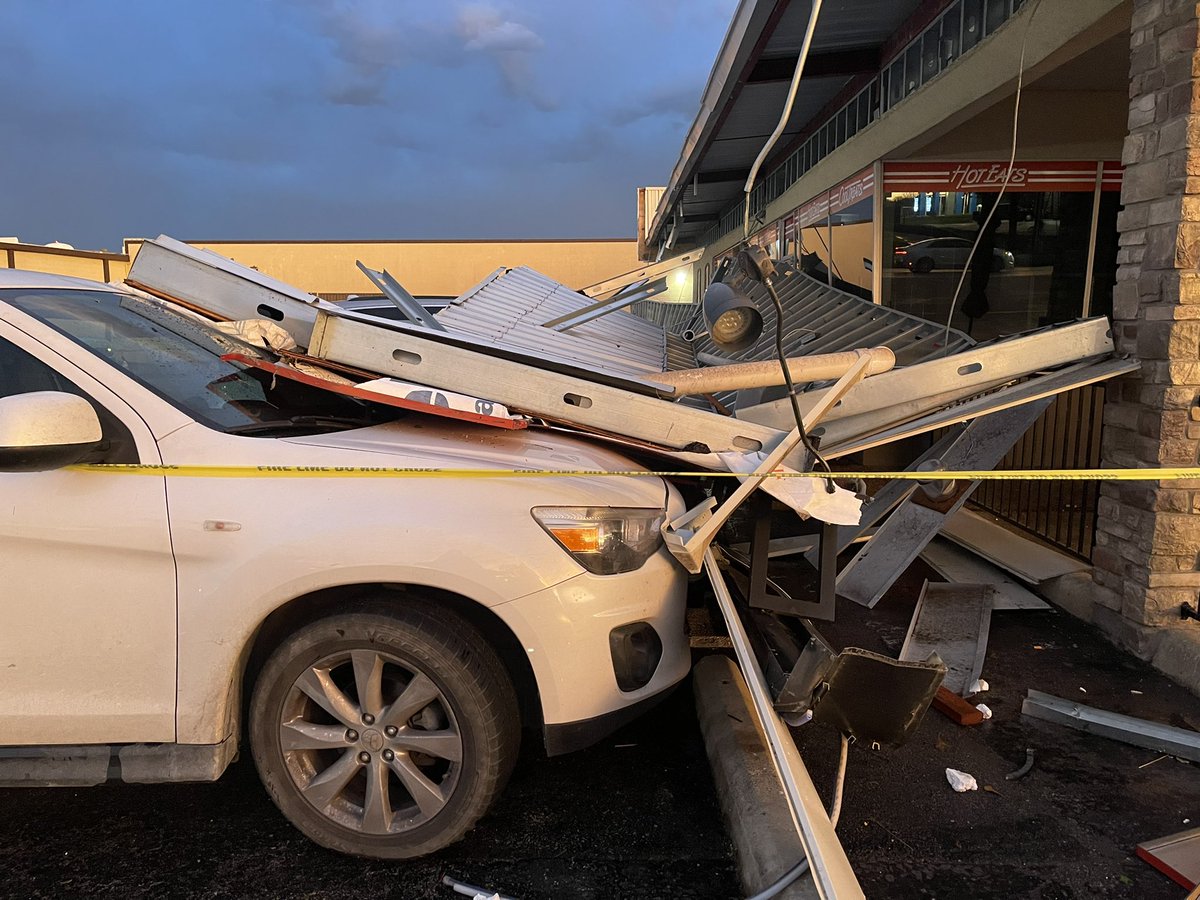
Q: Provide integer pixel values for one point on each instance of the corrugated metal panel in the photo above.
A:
(674, 317)
(821, 319)
(816, 319)
(509, 309)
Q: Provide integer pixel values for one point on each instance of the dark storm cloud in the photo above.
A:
(330, 118)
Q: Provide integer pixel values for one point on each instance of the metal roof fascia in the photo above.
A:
(602, 290)
(748, 22)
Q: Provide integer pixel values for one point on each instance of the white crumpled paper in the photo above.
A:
(961, 781)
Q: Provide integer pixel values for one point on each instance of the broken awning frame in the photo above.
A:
(602, 290)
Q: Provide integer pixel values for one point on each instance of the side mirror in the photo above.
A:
(46, 430)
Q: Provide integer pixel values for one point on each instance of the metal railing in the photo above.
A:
(1065, 436)
(960, 27)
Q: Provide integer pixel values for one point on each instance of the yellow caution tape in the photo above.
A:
(1147, 474)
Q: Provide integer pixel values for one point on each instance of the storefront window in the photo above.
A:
(830, 236)
(1031, 265)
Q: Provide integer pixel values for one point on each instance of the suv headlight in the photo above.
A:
(605, 540)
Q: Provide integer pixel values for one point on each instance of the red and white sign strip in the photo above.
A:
(853, 190)
(1111, 177)
(815, 211)
(840, 197)
(1072, 175)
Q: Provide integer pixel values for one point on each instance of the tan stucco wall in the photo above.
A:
(1094, 128)
(425, 268)
(55, 261)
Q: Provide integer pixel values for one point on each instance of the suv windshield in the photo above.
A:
(179, 358)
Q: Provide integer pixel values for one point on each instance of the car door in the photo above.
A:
(87, 610)
(956, 253)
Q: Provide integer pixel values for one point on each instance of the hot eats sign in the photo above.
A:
(1022, 175)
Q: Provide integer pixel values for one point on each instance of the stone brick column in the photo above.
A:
(1148, 534)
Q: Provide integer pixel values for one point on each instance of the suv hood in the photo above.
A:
(425, 443)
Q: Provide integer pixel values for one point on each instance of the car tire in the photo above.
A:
(352, 768)
(924, 265)
(997, 264)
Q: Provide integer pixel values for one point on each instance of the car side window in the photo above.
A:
(24, 373)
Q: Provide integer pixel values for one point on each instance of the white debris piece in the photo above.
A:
(983, 708)
(978, 687)
(393, 387)
(259, 332)
(961, 781)
(807, 496)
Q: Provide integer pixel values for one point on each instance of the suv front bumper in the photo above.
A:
(566, 631)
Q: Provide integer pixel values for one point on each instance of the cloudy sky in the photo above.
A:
(260, 119)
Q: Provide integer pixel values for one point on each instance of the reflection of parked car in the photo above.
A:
(377, 643)
(945, 253)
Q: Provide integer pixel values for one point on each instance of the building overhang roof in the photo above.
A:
(746, 91)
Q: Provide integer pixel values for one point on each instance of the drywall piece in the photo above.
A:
(1177, 856)
(1174, 741)
(963, 567)
(1029, 560)
(951, 620)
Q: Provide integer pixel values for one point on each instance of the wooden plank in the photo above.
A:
(1029, 560)
(961, 566)
(955, 708)
(951, 620)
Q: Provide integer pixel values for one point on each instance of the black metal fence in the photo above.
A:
(1066, 436)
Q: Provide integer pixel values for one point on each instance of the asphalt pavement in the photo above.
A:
(635, 816)
(1065, 831)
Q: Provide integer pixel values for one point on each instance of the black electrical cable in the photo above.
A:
(791, 387)
(835, 812)
(1012, 158)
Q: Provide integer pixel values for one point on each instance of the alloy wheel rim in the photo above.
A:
(371, 742)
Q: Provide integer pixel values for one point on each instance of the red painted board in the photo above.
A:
(1177, 856)
(358, 393)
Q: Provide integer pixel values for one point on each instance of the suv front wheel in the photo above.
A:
(386, 731)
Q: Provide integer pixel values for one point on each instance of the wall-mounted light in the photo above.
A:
(734, 322)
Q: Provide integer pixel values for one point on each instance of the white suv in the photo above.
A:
(378, 640)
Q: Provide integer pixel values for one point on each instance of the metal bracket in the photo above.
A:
(626, 297)
(763, 593)
(404, 301)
